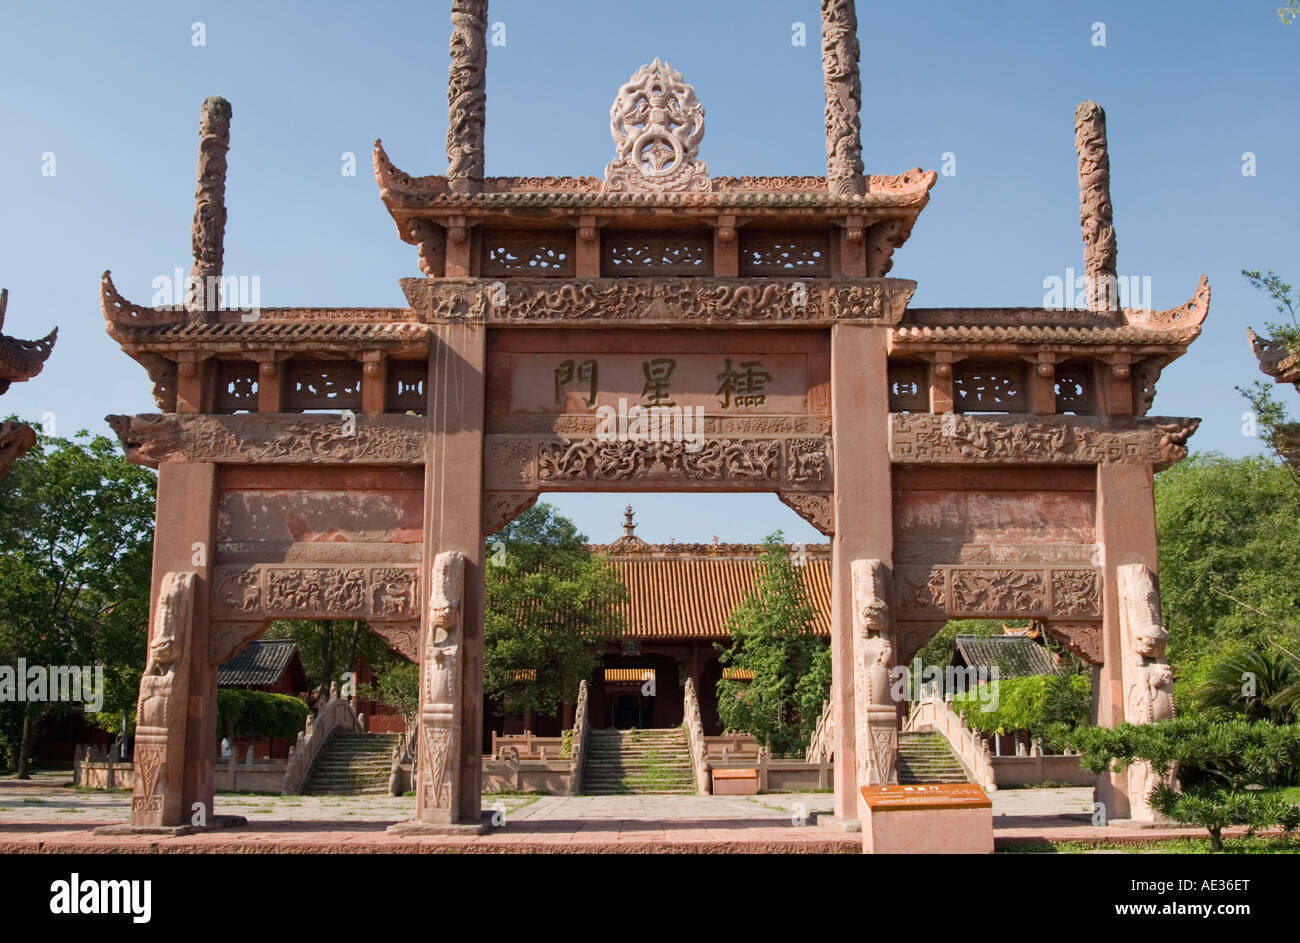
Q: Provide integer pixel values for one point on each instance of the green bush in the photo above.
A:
(1042, 705)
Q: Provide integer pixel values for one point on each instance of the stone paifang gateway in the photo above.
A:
(965, 462)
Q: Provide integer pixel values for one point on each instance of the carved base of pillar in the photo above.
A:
(415, 827)
(218, 822)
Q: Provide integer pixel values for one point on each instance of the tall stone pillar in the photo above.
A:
(184, 542)
(1135, 684)
(1096, 215)
(467, 96)
(451, 669)
(864, 529)
(209, 230)
(844, 169)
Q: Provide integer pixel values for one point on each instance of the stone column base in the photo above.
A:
(417, 828)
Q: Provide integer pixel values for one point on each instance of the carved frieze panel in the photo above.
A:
(401, 637)
(227, 639)
(1051, 440)
(1084, 639)
(958, 551)
(815, 507)
(502, 507)
(310, 592)
(272, 438)
(998, 592)
(524, 463)
(677, 301)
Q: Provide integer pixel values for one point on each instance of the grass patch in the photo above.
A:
(1243, 845)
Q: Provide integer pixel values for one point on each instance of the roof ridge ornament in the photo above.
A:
(657, 124)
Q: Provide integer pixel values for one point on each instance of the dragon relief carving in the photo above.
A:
(657, 124)
(840, 53)
(817, 508)
(467, 96)
(949, 438)
(1096, 215)
(663, 300)
(440, 691)
(707, 459)
(288, 591)
(163, 706)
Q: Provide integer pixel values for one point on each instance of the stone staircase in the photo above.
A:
(638, 762)
(926, 758)
(353, 764)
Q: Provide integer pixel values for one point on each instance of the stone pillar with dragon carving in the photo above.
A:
(840, 52)
(161, 715)
(202, 296)
(1148, 678)
(467, 96)
(1133, 681)
(876, 719)
(438, 784)
(1096, 215)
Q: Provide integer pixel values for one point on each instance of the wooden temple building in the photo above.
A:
(351, 462)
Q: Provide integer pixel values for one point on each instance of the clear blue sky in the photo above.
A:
(113, 92)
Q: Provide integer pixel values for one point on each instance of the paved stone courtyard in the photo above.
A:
(44, 814)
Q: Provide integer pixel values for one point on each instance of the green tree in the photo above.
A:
(1044, 706)
(1212, 773)
(260, 714)
(399, 688)
(551, 608)
(773, 636)
(329, 647)
(76, 541)
(1229, 535)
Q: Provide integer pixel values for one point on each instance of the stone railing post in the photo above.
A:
(695, 737)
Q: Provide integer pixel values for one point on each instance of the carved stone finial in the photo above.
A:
(209, 230)
(467, 96)
(840, 52)
(1096, 215)
(657, 124)
(629, 525)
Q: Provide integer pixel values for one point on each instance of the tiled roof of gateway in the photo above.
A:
(1015, 656)
(262, 662)
(688, 590)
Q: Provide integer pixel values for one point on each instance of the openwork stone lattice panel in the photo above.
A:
(323, 384)
(909, 390)
(990, 592)
(236, 386)
(1074, 388)
(304, 592)
(637, 254)
(516, 463)
(696, 301)
(1052, 440)
(988, 387)
(784, 254)
(272, 438)
(406, 390)
(507, 252)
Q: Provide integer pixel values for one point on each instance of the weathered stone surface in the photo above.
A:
(657, 124)
(1096, 215)
(208, 233)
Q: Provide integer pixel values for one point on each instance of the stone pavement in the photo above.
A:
(46, 816)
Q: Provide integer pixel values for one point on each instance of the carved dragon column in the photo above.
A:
(876, 713)
(438, 786)
(467, 96)
(1095, 211)
(1148, 679)
(1132, 638)
(863, 526)
(453, 547)
(202, 295)
(160, 734)
(844, 170)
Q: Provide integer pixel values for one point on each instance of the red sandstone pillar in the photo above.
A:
(453, 495)
(863, 515)
(1126, 529)
(184, 541)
